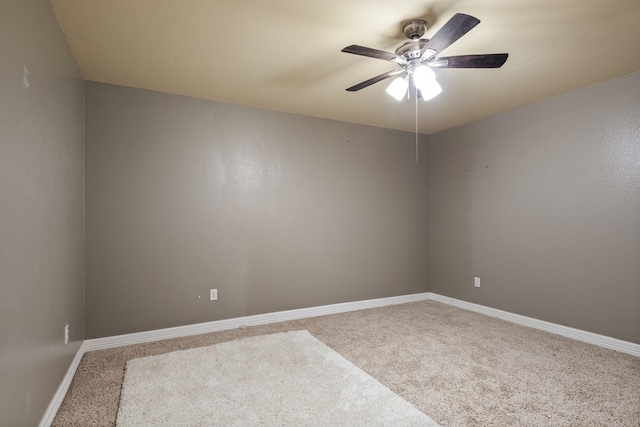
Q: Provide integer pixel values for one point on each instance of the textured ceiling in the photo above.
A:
(285, 54)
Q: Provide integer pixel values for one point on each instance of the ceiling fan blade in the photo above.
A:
(373, 53)
(373, 80)
(493, 60)
(459, 25)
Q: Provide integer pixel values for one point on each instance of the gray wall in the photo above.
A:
(543, 203)
(41, 209)
(277, 211)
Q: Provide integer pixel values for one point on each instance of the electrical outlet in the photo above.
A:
(213, 294)
(476, 282)
(66, 334)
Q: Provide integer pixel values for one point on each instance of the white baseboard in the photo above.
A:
(55, 403)
(302, 313)
(239, 322)
(565, 331)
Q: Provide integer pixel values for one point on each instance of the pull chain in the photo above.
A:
(416, 100)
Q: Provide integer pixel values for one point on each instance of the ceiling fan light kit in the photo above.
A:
(417, 56)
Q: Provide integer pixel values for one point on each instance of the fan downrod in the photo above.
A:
(414, 29)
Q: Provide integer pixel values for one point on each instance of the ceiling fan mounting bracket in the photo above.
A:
(414, 29)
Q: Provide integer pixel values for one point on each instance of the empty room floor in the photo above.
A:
(458, 367)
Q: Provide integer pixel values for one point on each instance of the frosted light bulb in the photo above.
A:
(398, 88)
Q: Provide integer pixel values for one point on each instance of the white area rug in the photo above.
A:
(284, 379)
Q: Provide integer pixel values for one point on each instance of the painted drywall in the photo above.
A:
(41, 209)
(276, 211)
(543, 204)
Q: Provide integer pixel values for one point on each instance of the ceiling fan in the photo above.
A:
(417, 56)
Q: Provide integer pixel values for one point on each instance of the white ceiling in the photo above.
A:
(285, 54)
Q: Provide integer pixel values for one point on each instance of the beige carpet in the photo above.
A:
(459, 367)
(282, 379)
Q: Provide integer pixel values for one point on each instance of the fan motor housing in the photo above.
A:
(411, 49)
(413, 30)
